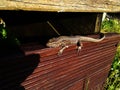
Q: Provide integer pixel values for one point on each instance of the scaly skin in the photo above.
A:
(65, 41)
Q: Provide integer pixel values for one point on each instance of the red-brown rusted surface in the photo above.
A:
(43, 69)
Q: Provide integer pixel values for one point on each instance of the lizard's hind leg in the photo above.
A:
(62, 49)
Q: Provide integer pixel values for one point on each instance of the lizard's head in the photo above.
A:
(54, 42)
(57, 42)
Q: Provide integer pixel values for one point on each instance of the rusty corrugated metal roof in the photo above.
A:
(43, 69)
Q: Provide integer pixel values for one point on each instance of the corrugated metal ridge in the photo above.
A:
(46, 66)
(78, 75)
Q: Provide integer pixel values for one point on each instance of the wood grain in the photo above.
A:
(62, 5)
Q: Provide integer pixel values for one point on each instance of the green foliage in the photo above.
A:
(113, 80)
(6, 35)
(111, 25)
(3, 33)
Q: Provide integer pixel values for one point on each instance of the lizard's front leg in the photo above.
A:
(80, 45)
(62, 49)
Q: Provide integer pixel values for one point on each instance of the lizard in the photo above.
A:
(65, 41)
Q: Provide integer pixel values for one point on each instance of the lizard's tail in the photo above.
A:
(90, 39)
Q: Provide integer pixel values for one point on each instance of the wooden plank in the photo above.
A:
(62, 5)
(98, 23)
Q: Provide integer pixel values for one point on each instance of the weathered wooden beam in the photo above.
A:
(62, 5)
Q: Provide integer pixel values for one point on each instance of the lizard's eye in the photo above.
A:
(52, 40)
